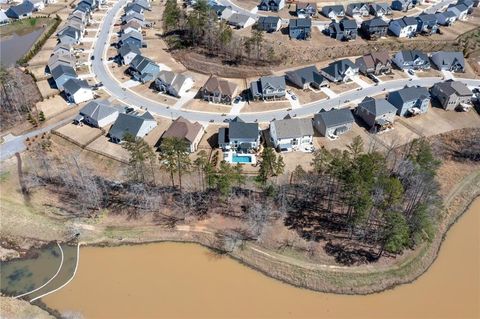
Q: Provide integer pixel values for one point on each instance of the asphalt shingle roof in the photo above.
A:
(335, 117)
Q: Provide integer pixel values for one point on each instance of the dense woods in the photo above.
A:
(360, 205)
(200, 29)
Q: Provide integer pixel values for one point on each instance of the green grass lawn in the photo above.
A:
(24, 26)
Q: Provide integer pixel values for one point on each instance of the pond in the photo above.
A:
(172, 280)
(13, 47)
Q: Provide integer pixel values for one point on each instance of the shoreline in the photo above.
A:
(326, 280)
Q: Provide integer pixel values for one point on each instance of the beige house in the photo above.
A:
(183, 129)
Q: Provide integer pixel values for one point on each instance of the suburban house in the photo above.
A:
(56, 60)
(218, 9)
(133, 7)
(374, 28)
(374, 63)
(307, 77)
(70, 35)
(446, 18)
(61, 74)
(38, 5)
(76, 23)
(427, 24)
(77, 91)
(271, 5)
(334, 12)
(292, 134)
(411, 60)
(460, 11)
(216, 90)
(333, 123)
(134, 17)
(93, 4)
(340, 71)
(306, 9)
(20, 11)
(3, 18)
(344, 30)
(136, 125)
(380, 9)
(269, 24)
(469, 3)
(300, 29)
(405, 27)
(226, 13)
(402, 5)
(173, 83)
(131, 26)
(97, 113)
(133, 38)
(145, 4)
(143, 69)
(451, 94)
(410, 100)
(127, 53)
(448, 61)
(185, 130)
(239, 20)
(84, 17)
(239, 136)
(268, 88)
(378, 114)
(358, 9)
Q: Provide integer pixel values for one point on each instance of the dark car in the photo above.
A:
(92, 57)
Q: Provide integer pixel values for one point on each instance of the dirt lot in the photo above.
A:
(396, 74)
(46, 88)
(307, 96)
(162, 125)
(343, 87)
(428, 73)
(260, 106)
(200, 105)
(53, 106)
(82, 134)
(210, 138)
(102, 145)
(146, 92)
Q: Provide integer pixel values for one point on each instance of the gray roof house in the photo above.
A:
(410, 100)
(460, 11)
(269, 24)
(306, 78)
(402, 5)
(306, 9)
(63, 49)
(239, 20)
(127, 53)
(300, 29)
(173, 83)
(143, 69)
(291, 134)
(61, 74)
(77, 91)
(333, 123)
(451, 94)
(405, 27)
(374, 28)
(143, 3)
(360, 9)
(333, 12)
(411, 60)
(97, 113)
(134, 17)
(380, 9)
(136, 125)
(344, 30)
(239, 136)
(57, 59)
(133, 38)
(70, 35)
(449, 61)
(133, 7)
(20, 11)
(3, 18)
(268, 88)
(378, 114)
(427, 24)
(340, 71)
(446, 18)
(271, 5)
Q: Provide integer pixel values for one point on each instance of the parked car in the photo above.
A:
(411, 72)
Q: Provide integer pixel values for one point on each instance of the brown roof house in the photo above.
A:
(217, 90)
(183, 129)
(374, 63)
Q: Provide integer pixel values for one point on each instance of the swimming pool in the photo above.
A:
(241, 158)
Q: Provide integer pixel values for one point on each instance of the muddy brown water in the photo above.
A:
(169, 280)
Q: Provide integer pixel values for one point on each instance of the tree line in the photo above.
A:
(363, 204)
(201, 28)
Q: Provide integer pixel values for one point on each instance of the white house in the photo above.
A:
(405, 27)
(174, 84)
(460, 11)
(97, 113)
(292, 134)
(77, 91)
(240, 21)
(38, 5)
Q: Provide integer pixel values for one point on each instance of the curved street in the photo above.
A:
(114, 88)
